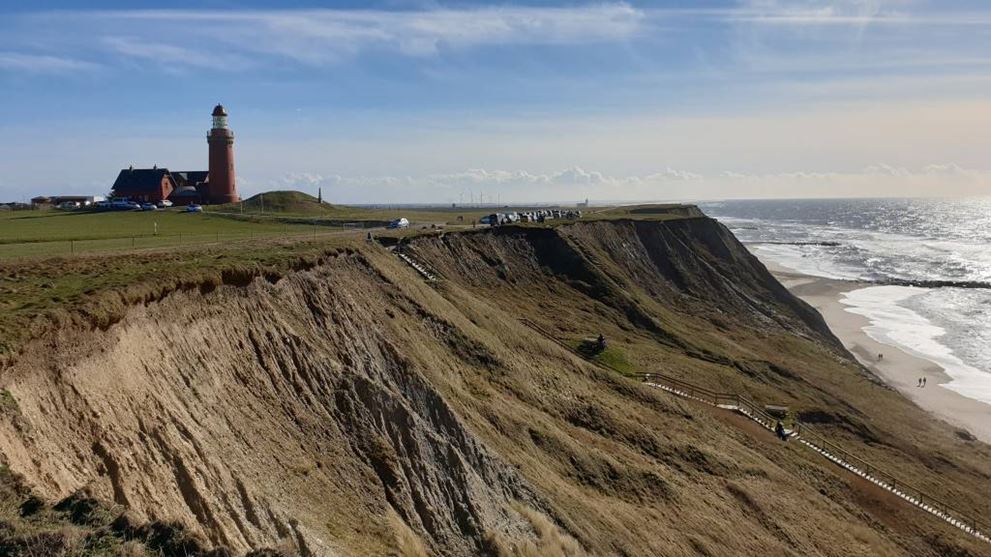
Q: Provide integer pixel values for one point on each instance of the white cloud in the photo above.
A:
(886, 170)
(948, 169)
(511, 186)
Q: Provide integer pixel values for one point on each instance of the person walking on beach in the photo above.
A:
(923, 382)
(919, 384)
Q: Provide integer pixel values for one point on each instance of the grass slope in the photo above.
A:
(686, 299)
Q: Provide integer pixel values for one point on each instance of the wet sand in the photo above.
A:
(898, 368)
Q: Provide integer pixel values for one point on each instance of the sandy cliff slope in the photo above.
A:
(352, 408)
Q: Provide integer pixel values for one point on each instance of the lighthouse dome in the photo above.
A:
(219, 110)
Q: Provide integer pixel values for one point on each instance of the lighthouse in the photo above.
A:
(221, 187)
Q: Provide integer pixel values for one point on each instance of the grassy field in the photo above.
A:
(53, 232)
(41, 226)
(280, 214)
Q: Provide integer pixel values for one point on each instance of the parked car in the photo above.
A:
(124, 205)
(164, 203)
(149, 207)
(194, 208)
(399, 223)
(68, 205)
(102, 205)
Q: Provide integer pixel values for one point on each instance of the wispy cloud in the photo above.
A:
(171, 56)
(325, 36)
(240, 39)
(42, 63)
(854, 13)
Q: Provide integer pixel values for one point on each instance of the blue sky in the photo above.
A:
(436, 101)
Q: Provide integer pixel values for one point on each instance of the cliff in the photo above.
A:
(349, 407)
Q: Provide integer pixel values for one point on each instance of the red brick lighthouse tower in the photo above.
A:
(221, 140)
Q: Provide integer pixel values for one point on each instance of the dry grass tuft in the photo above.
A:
(549, 540)
(407, 542)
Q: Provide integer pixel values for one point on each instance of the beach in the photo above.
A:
(897, 368)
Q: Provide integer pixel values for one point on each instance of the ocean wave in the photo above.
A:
(894, 324)
(926, 283)
(935, 248)
(823, 243)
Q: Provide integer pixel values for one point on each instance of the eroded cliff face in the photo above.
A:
(351, 408)
(259, 412)
(653, 273)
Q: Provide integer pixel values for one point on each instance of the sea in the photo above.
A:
(925, 263)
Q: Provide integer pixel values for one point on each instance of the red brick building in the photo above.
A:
(144, 184)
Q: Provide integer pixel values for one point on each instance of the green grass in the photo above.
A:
(33, 226)
(53, 232)
(657, 211)
(615, 358)
(7, 402)
(612, 357)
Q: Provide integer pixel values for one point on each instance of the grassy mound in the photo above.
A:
(285, 202)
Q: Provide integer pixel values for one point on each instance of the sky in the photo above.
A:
(437, 101)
